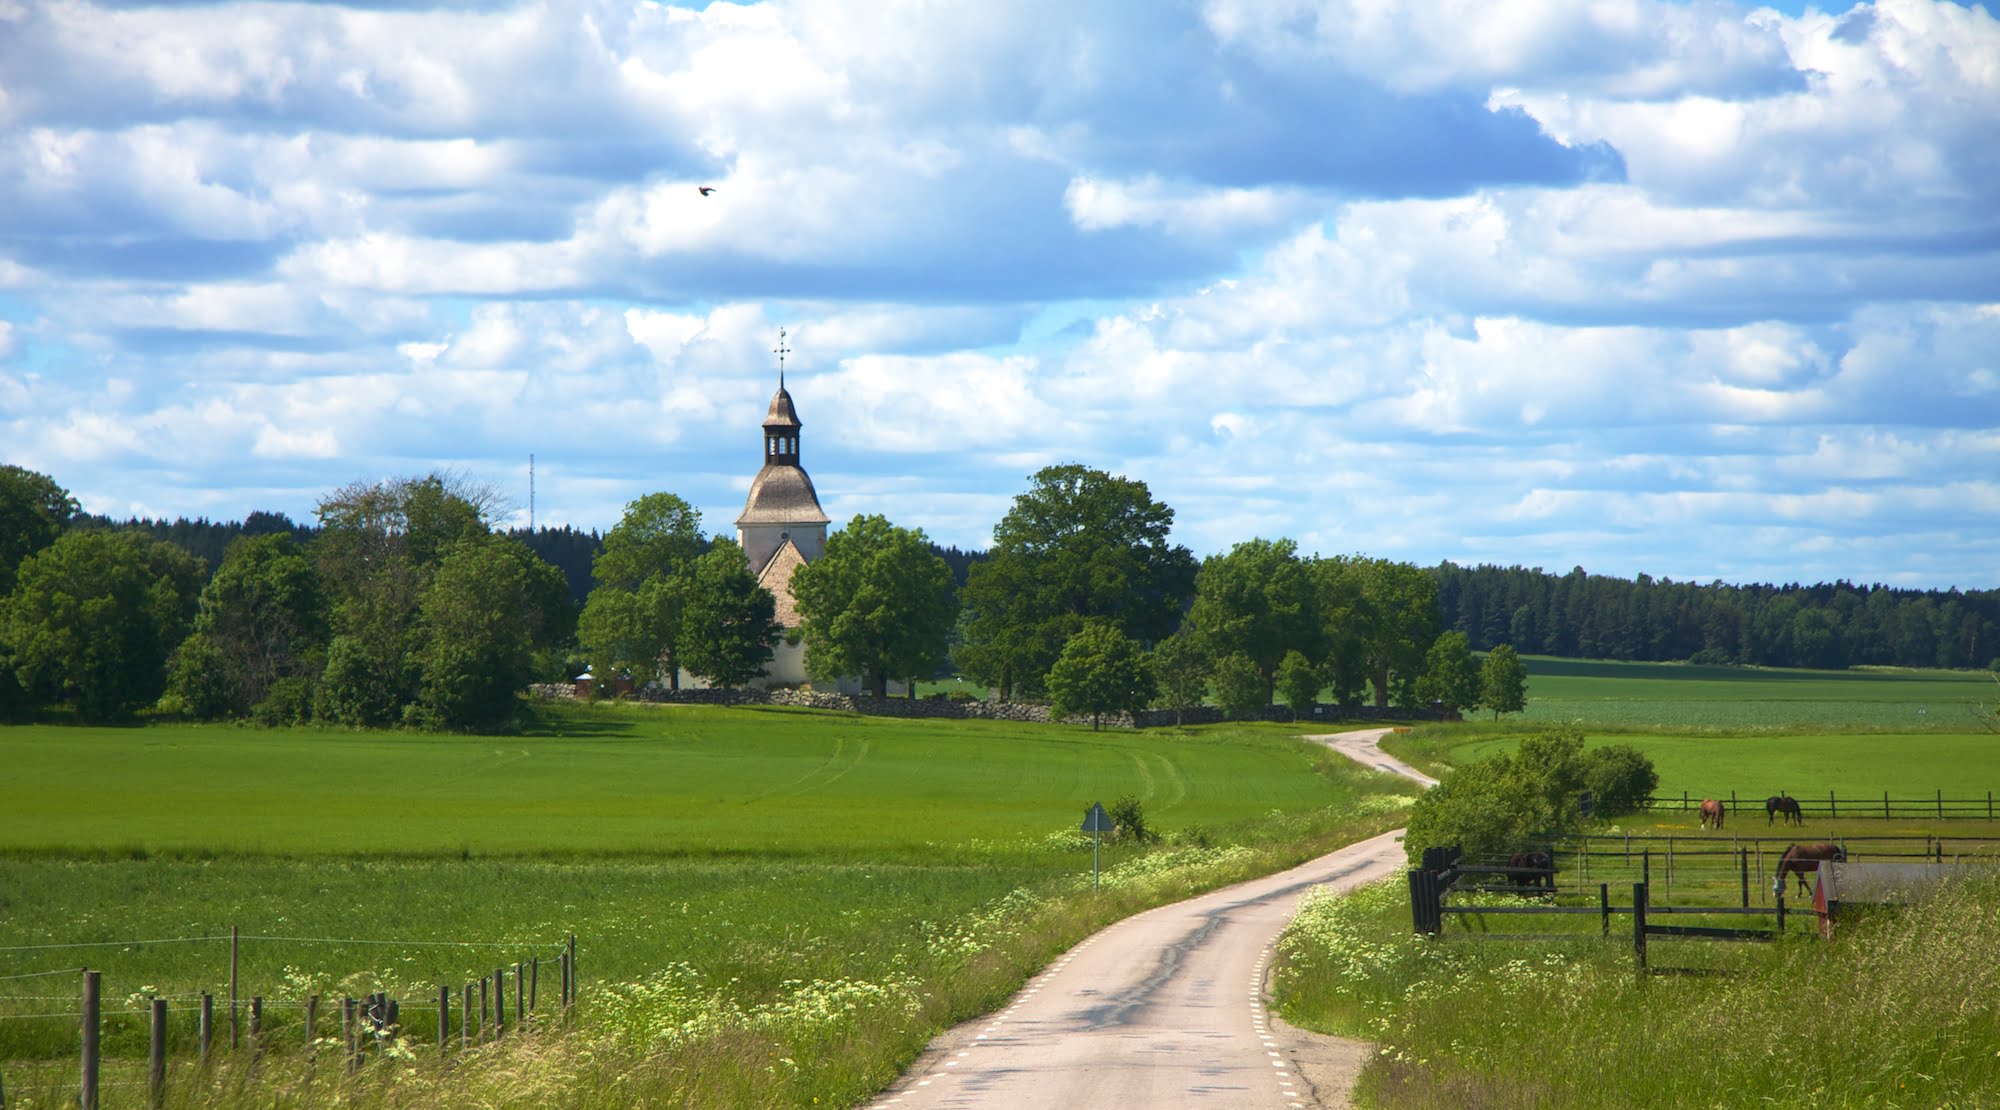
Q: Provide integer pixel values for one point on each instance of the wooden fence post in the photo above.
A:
(1832, 805)
(256, 1025)
(207, 1025)
(1940, 797)
(520, 995)
(156, 1053)
(350, 1035)
(1885, 805)
(499, 1003)
(1732, 803)
(484, 1019)
(534, 980)
(93, 984)
(1743, 855)
(466, 1021)
(1604, 906)
(444, 1017)
(575, 984)
(312, 1028)
(1639, 925)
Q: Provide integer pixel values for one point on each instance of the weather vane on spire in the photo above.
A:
(781, 351)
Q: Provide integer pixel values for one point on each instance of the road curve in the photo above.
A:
(1164, 1009)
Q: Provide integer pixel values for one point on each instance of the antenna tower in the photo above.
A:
(531, 493)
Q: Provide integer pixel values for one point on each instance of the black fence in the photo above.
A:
(1834, 805)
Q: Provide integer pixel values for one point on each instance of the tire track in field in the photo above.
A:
(830, 770)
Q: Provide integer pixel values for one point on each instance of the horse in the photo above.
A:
(1536, 869)
(1711, 813)
(1783, 805)
(1803, 860)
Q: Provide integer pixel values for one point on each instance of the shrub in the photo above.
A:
(1130, 818)
(1617, 776)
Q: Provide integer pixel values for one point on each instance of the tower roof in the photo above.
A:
(782, 494)
(782, 415)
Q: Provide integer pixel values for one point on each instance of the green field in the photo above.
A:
(1687, 698)
(752, 889)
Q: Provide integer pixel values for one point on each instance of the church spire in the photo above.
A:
(781, 351)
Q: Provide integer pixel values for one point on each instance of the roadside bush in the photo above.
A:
(1504, 803)
(1130, 818)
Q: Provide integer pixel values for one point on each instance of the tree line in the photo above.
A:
(1826, 626)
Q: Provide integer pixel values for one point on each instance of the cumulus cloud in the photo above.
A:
(1686, 288)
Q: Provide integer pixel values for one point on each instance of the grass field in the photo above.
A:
(1686, 698)
(755, 891)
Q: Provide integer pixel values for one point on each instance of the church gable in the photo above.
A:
(777, 578)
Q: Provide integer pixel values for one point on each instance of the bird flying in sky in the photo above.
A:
(705, 189)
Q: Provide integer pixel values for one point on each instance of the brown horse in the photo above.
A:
(1803, 860)
(1783, 805)
(1536, 868)
(1711, 813)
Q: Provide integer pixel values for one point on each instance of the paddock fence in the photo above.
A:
(1833, 805)
(198, 1027)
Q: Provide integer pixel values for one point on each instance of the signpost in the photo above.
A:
(1096, 823)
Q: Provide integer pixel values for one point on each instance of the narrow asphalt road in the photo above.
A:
(1165, 1009)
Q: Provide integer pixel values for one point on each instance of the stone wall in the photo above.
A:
(964, 709)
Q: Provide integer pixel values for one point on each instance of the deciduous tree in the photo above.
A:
(34, 510)
(1180, 672)
(94, 617)
(634, 618)
(1503, 681)
(262, 619)
(728, 628)
(1101, 670)
(485, 613)
(1079, 545)
(1257, 601)
(878, 602)
(1298, 684)
(1451, 677)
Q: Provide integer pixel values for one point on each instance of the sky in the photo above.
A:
(1699, 290)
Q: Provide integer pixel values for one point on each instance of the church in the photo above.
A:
(781, 529)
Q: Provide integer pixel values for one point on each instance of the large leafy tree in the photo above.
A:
(1343, 618)
(1079, 545)
(878, 602)
(1451, 678)
(1503, 681)
(1258, 601)
(378, 548)
(1506, 802)
(34, 510)
(1400, 621)
(262, 621)
(489, 608)
(1298, 684)
(634, 618)
(94, 617)
(728, 626)
(1101, 670)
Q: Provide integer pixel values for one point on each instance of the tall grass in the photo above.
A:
(1901, 1009)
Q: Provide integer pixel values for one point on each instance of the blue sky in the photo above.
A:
(1699, 290)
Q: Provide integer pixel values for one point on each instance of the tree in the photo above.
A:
(1258, 601)
(1503, 802)
(1618, 776)
(262, 619)
(1239, 688)
(728, 628)
(1298, 684)
(635, 617)
(878, 602)
(378, 548)
(1451, 679)
(94, 617)
(1180, 671)
(1503, 681)
(489, 607)
(34, 510)
(1343, 615)
(1079, 545)
(1101, 670)
(1400, 620)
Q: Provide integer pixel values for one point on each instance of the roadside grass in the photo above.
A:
(1901, 1009)
(772, 908)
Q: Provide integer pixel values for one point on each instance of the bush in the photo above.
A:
(1617, 776)
(1130, 818)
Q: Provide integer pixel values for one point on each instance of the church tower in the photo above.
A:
(782, 527)
(783, 508)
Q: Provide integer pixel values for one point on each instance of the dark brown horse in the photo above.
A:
(1783, 805)
(1711, 813)
(1536, 868)
(1803, 860)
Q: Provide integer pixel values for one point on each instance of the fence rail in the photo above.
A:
(1832, 804)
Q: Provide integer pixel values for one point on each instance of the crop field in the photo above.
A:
(747, 886)
(1687, 698)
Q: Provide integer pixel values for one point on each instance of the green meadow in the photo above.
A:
(772, 906)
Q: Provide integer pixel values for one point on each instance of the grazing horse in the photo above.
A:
(1803, 860)
(1711, 813)
(1783, 805)
(1538, 868)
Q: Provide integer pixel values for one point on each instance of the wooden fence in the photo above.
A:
(374, 1022)
(1832, 805)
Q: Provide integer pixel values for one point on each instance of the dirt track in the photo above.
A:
(1165, 1009)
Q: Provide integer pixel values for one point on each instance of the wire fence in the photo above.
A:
(483, 1010)
(1832, 804)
